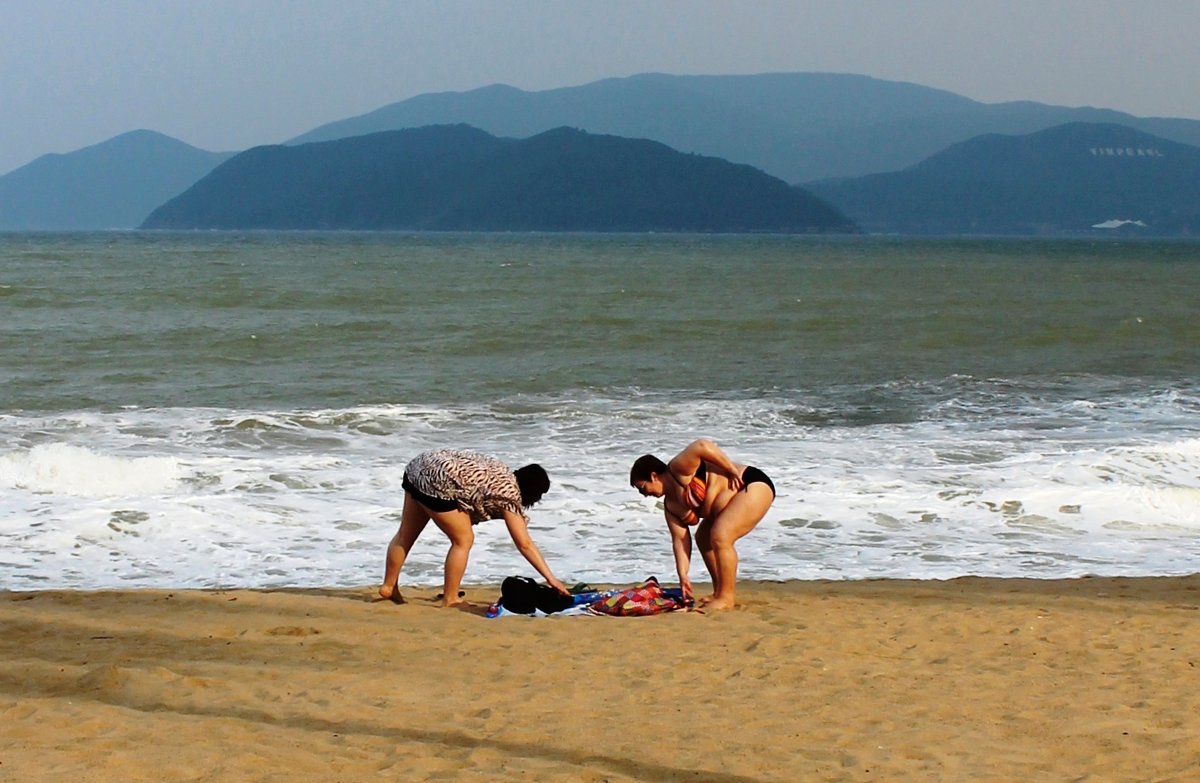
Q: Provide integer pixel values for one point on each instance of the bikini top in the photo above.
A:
(694, 493)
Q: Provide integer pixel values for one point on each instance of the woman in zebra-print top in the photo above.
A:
(457, 490)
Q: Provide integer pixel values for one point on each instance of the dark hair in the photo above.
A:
(533, 482)
(643, 466)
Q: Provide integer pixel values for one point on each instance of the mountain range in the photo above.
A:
(456, 177)
(1069, 179)
(799, 127)
(795, 126)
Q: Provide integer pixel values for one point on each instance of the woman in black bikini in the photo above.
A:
(702, 486)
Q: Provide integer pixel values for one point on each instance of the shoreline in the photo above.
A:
(973, 678)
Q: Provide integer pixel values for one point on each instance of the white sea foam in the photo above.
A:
(60, 468)
(205, 497)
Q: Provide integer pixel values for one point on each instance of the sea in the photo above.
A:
(221, 410)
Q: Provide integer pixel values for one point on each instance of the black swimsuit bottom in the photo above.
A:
(752, 474)
(428, 501)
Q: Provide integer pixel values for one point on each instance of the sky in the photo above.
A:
(231, 74)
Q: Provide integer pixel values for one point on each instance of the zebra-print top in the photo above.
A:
(482, 486)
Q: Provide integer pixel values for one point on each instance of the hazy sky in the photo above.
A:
(230, 74)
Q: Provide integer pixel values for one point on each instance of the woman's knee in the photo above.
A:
(462, 538)
(732, 526)
(721, 539)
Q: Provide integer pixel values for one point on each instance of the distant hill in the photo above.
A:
(460, 178)
(799, 127)
(1070, 179)
(114, 184)
(795, 126)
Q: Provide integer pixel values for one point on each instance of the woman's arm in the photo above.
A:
(687, 462)
(518, 529)
(681, 546)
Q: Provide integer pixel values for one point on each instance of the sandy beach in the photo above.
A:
(963, 680)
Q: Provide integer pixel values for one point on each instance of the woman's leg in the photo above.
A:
(457, 527)
(412, 521)
(746, 510)
(704, 544)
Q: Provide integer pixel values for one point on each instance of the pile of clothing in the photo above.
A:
(524, 596)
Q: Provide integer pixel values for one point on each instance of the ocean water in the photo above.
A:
(222, 409)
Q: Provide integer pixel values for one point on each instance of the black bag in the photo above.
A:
(523, 595)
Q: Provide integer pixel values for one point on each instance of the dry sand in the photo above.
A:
(966, 680)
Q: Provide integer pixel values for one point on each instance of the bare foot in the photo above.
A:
(391, 593)
(449, 602)
(715, 604)
(705, 600)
